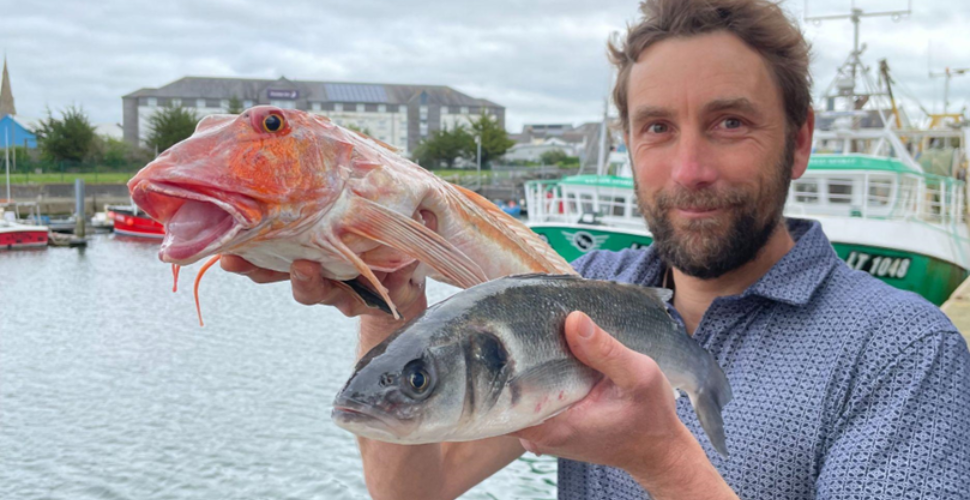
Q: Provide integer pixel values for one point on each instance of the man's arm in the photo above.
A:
(903, 431)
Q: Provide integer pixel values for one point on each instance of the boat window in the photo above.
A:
(806, 191)
(587, 203)
(880, 192)
(611, 205)
(840, 191)
(571, 206)
(635, 207)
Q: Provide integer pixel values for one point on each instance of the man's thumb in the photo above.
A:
(600, 351)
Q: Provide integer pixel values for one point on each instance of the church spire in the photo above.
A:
(6, 95)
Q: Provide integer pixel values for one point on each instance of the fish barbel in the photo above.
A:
(276, 185)
(492, 359)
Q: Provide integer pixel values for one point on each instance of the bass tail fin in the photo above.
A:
(708, 400)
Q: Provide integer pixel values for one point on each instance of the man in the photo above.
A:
(843, 387)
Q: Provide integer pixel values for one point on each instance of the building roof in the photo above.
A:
(380, 93)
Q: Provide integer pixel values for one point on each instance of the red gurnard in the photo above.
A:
(276, 185)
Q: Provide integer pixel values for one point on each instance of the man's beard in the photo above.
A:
(708, 248)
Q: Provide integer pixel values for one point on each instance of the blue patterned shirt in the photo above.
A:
(844, 387)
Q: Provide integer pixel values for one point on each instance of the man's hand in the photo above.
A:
(628, 420)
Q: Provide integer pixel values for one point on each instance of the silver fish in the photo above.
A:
(492, 359)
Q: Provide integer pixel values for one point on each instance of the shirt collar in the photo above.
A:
(794, 279)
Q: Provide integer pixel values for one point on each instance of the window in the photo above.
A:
(224, 104)
(840, 191)
(444, 110)
(464, 110)
(806, 191)
(153, 101)
(176, 102)
(880, 192)
(360, 108)
(382, 108)
(316, 106)
(423, 112)
(283, 104)
(248, 103)
(423, 129)
(338, 106)
(200, 103)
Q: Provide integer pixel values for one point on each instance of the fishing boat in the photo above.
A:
(887, 194)
(130, 221)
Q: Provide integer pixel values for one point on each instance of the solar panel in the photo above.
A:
(351, 92)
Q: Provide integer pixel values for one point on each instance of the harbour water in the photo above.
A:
(109, 389)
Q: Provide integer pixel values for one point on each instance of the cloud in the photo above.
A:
(543, 59)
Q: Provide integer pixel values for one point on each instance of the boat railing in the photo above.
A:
(933, 199)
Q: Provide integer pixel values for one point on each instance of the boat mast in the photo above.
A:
(6, 154)
(845, 81)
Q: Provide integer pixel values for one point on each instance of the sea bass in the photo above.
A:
(276, 185)
(492, 359)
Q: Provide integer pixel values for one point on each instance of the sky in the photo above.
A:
(544, 60)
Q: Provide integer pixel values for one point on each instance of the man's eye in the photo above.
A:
(657, 128)
(730, 123)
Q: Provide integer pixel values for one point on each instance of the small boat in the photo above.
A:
(130, 221)
(16, 236)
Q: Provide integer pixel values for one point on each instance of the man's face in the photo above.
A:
(708, 141)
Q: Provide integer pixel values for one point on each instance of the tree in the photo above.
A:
(444, 147)
(553, 157)
(235, 106)
(495, 140)
(355, 128)
(112, 153)
(69, 139)
(170, 125)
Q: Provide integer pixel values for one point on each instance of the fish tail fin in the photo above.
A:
(710, 397)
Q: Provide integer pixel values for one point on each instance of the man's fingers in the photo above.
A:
(239, 265)
(600, 351)
(308, 284)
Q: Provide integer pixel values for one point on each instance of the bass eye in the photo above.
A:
(273, 123)
(419, 380)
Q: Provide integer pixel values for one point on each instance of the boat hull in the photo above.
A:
(932, 277)
(138, 226)
(23, 238)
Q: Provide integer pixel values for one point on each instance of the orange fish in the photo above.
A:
(276, 185)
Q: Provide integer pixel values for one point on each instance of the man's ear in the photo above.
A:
(803, 145)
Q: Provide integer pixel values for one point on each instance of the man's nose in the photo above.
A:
(693, 164)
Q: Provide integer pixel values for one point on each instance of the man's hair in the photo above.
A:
(761, 24)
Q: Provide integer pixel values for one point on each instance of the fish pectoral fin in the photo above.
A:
(390, 228)
(365, 295)
(364, 271)
(541, 377)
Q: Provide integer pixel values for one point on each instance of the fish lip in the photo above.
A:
(184, 191)
(349, 411)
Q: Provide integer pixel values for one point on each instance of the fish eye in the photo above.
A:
(417, 379)
(273, 123)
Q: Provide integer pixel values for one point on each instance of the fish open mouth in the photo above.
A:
(198, 220)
